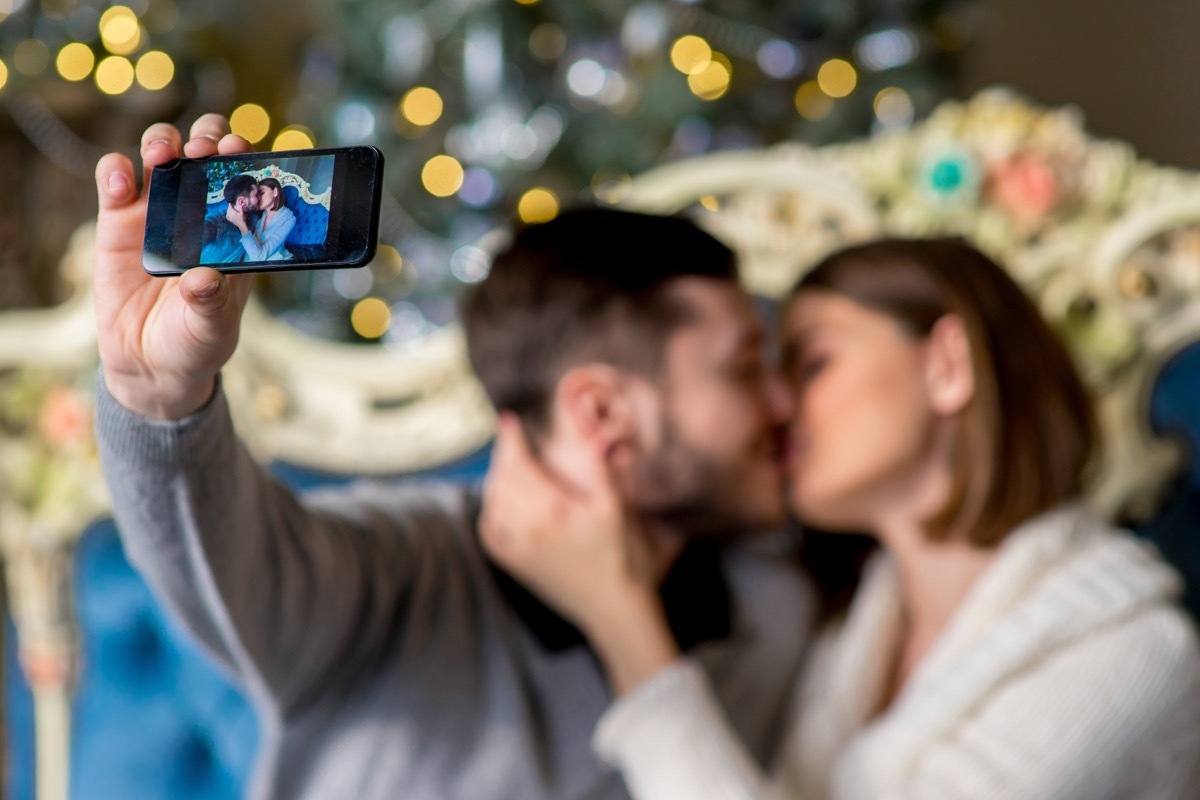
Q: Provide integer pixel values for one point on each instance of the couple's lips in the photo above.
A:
(776, 449)
(794, 450)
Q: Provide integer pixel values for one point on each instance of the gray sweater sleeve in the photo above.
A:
(288, 595)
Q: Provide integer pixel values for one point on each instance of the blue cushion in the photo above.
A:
(312, 219)
(1176, 527)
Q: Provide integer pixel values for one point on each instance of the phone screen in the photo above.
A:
(253, 212)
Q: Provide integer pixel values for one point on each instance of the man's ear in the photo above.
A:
(949, 371)
(592, 402)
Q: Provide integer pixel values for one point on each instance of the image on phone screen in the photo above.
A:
(264, 211)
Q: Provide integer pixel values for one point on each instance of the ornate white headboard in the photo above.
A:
(1108, 245)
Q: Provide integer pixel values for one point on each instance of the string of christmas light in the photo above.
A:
(487, 109)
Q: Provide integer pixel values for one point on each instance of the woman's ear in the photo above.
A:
(949, 370)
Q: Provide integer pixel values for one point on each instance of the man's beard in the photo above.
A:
(693, 493)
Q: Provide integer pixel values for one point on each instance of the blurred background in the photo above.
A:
(486, 111)
(489, 109)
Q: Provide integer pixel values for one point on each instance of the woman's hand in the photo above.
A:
(577, 546)
(238, 218)
(162, 340)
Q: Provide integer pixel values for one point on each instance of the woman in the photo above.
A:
(999, 642)
(263, 240)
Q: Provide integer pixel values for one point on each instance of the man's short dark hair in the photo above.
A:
(590, 285)
(239, 185)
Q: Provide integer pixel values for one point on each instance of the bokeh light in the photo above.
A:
(837, 77)
(371, 318)
(894, 107)
(470, 264)
(388, 263)
(547, 42)
(120, 30)
(442, 175)
(586, 77)
(114, 75)
(779, 59)
(479, 187)
(250, 121)
(812, 103)
(353, 284)
(421, 105)
(713, 81)
(354, 122)
(690, 54)
(155, 70)
(294, 137)
(537, 205)
(3, 75)
(75, 61)
(31, 57)
(7, 7)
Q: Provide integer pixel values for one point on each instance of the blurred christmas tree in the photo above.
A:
(489, 110)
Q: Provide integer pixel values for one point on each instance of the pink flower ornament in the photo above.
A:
(1026, 185)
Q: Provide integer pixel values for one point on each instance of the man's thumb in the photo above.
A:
(204, 290)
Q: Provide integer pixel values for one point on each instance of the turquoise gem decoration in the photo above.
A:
(951, 176)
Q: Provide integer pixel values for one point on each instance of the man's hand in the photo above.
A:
(578, 548)
(162, 341)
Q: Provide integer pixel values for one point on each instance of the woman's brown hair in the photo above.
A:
(1026, 438)
(274, 184)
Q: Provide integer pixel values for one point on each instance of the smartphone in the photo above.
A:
(258, 212)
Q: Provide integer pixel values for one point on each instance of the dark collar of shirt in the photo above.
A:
(695, 596)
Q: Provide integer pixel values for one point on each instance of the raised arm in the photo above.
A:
(283, 593)
(162, 341)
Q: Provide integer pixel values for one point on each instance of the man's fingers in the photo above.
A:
(161, 142)
(210, 135)
(114, 182)
(232, 144)
(209, 126)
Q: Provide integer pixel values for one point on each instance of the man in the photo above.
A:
(222, 236)
(386, 655)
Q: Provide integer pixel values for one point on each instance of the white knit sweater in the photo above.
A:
(1068, 673)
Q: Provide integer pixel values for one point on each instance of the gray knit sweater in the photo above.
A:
(387, 658)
